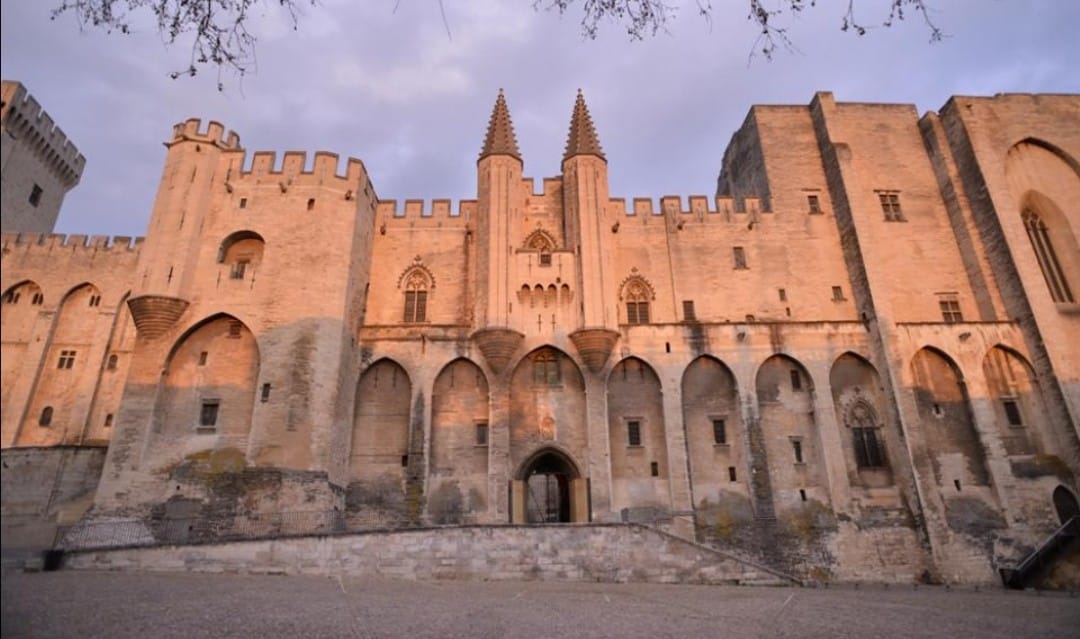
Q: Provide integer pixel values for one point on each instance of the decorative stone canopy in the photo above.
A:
(500, 139)
(595, 346)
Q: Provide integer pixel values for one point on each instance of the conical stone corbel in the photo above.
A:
(154, 315)
(595, 346)
(498, 346)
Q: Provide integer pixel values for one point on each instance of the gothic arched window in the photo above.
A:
(636, 294)
(546, 368)
(1048, 260)
(864, 434)
(416, 291)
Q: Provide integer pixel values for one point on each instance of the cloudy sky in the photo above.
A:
(390, 87)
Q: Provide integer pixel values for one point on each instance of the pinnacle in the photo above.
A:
(500, 139)
(583, 139)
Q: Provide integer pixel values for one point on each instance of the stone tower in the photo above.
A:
(39, 164)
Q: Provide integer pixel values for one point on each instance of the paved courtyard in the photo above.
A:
(119, 605)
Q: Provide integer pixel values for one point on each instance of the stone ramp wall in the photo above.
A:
(595, 552)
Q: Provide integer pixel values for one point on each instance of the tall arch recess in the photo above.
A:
(547, 405)
(1047, 185)
(18, 315)
(209, 383)
(860, 406)
(639, 461)
(714, 430)
(1017, 401)
(67, 362)
(459, 443)
(785, 394)
(380, 437)
(945, 415)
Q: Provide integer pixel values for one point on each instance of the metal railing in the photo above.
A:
(1018, 577)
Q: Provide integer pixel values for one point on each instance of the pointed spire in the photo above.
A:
(500, 139)
(583, 139)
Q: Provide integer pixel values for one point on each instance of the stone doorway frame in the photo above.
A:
(578, 489)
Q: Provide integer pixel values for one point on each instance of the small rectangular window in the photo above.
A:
(950, 311)
(654, 469)
(740, 257)
(243, 202)
(796, 380)
(890, 205)
(796, 448)
(838, 294)
(1012, 412)
(208, 414)
(731, 474)
(482, 434)
(38, 299)
(813, 203)
(112, 362)
(67, 360)
(202, 358)
(11, 297)
(265, 396)
(633, 433)
(311, 204)
(719, 431)
(783, 294)
(545, 259)
(404, 461)
(238, 269)
(35, 195)
(108, 420)
(235, 328)
(95, 300)
(688, 312)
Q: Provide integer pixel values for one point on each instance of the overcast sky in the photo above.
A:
(392, 89)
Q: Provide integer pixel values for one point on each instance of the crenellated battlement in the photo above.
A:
(32, 242)
(439, 209)
(190, 130)
(296, 169)
(26, 121)
(697, 205)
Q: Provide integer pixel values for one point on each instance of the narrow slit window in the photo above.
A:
(112, 362)
(739, 254)
(202, 358)
(38, 299)
(813, 203)
(796, 380)
(46, 416)
(731, 474)
(108, 420)
(654, 469)
(243, 202)
(1012, 412)
(35, 195)
(311, 204)
(797, 450)
(719, 430)
(265, 396)
(95, 300)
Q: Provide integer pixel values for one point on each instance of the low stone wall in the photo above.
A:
(586, 552)
(44, 488)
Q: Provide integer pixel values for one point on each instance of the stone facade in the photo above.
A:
(858, 361)
(38, 164)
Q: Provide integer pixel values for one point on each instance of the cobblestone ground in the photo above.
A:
(146, 605)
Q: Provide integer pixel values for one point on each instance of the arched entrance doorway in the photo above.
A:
(1065, 504)
(547, 489)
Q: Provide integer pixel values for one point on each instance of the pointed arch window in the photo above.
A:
(546, 368)
(416, 291)
(636, 294)
(541, 242)
(1048, 260)
(864, 433)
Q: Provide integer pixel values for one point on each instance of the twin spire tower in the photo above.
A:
(574, 216)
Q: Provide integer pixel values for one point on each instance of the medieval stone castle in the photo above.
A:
(859, 360)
